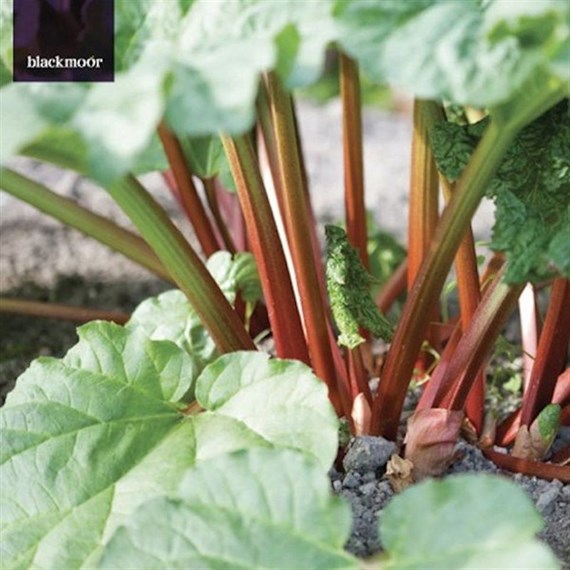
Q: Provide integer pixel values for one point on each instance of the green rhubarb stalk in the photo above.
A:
(297, 220)
(266, 246)
(187, 191)
(186, 268)
(75, 216)
(355, 207)
(58, 311)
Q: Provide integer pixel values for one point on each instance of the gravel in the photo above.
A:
(362, 483)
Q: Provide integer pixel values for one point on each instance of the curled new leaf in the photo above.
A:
(534, 442)
(349, 291)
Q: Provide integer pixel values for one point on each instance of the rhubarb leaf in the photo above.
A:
(466, 521)
(85, 440)
(414, 45)
(255, 509)
(88, 438)
(531, 191)
(236, 273)
(348, 285)
(170, 316)
(118, 120)
(243, 386)
(225, 46)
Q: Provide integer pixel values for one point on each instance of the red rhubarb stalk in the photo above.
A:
(296, 218)
(266, 247)
(427, 287)
(187, 191)
(551, 353)
(355, 209)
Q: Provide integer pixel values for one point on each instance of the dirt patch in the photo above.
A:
(24, 338)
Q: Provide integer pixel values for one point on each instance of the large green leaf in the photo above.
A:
(468, 52)
(466, 521)
(85, 440)
(117, 120)
(255, 509)
(243, 385)
(531, 190)
(88, 438)
(223, 48)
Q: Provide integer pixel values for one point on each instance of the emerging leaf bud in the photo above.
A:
(431, 440)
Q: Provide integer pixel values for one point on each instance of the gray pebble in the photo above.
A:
(547, 499)
(367, 453)
(351, 480)
(368, 488)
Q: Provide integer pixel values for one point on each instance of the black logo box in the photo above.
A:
(63, 40)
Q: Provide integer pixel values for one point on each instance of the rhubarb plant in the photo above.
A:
(121, 432)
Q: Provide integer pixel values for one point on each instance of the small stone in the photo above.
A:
(547, 499)
(368, 453)
(368, 477)
(351, 480)
(337, 486)
(368, 488)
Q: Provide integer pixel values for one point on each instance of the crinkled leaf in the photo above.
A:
(531, 190)
(85, 440)
(88, 438)
(349, 292)
(244, 385)
(466, 521)
(453, 50)
(255, 509)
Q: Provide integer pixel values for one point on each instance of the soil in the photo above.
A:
(41, 260)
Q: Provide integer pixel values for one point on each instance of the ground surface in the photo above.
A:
(40, 259)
